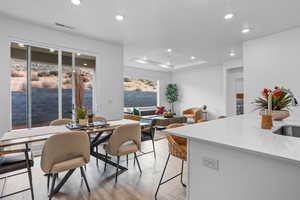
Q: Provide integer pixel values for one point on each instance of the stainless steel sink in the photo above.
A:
(288, 130)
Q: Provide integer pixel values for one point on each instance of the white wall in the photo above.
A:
(202, 86)
(269, 61)
(109, 66)
(164, 78)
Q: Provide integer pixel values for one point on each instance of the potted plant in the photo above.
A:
(172, 95)
(280, 102)
(81, 113)
(136, 112)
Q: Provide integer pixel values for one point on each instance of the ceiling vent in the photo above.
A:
(64, 26)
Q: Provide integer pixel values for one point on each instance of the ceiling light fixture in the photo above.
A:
(141, 61)
(76, 2)
(84, 64)
(165, 66)
(169, 50)
(119, 17)
(232, 53)
(246, 30)
(228, 16)
(51, 50)
(193, 57)
(78, 54)
(21, 45)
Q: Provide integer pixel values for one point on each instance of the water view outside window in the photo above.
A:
(44, 86)
(140, 92)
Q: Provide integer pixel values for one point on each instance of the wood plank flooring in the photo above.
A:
(130, 186)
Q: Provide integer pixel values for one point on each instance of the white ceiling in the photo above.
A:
(189, 27)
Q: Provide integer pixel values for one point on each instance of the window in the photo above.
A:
(140, 92)
(42, 89)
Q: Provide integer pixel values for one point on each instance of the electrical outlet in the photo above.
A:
(210, 163)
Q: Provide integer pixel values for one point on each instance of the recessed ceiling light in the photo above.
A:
(246, 30)
(51, 50)
(232, 53)
(119, 17)
(21, 45)
(141, 61)
(229, 16)
(169, 50)
(193, 57)
(84, 64)
(165, 66)
(78, 54)
(76, 2)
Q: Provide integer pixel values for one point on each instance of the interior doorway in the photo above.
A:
(234, 91)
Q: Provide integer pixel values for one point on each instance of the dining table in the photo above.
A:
(96, 133)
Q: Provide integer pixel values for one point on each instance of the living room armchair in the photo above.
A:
(192, 113)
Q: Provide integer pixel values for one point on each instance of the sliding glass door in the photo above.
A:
(43, 84)
(18, 86)
(67, 85)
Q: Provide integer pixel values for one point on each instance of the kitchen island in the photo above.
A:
(234, 159)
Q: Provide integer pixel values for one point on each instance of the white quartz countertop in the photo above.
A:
(244, 132)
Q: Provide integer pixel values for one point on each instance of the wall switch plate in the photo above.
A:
(210, 163)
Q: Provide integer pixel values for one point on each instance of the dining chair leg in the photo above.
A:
(97, 160)
(118, 162)
(127, 160)
(52, 186)
(105, 163)
(84, 178)
(162, 176)
(182, 165)
(48, 181)
(137, 161)
(153, 145)
(29, 173)
(30, 182)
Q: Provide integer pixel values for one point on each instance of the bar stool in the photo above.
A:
(178, 149)
(202, 120)
(221, 117)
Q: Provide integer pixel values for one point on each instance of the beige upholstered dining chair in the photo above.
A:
(124, 140)
(92, 137)
(148, 131)
(59, 122)
(99, 119)
(65, 152)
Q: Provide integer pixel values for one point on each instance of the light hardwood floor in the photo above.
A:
(130, 186)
